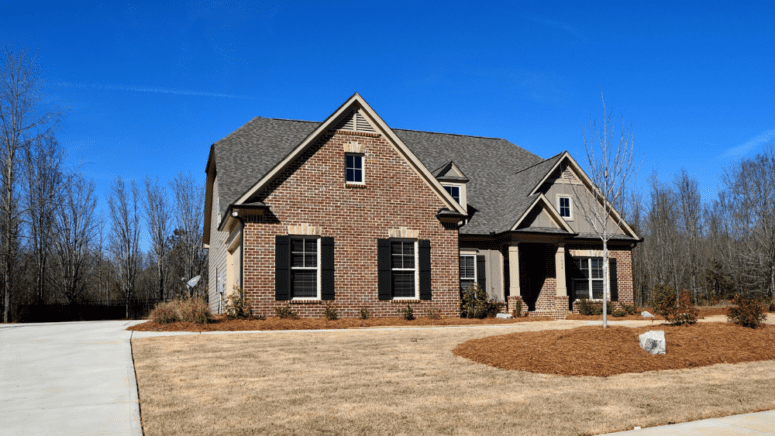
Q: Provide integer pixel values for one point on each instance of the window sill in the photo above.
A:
(402, 300)
(305, 301)
(355, 185)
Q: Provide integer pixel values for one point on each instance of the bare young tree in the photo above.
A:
(75, 229)
(44, 184)
(157, 218)
(189, 205)
(609, 157)
(23, 121)
(125, 235)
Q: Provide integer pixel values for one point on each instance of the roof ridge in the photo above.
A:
(451, 134)
(539, 163)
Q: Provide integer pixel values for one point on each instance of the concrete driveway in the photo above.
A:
(74, 378)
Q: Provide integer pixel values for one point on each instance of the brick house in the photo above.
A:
(353, 213)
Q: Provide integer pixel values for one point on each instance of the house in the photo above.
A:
(353, 213)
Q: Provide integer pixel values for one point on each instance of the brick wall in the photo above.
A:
(312, 190)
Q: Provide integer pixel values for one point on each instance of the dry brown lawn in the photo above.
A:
(407, 381)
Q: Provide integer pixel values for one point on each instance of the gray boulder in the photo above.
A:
(504, 316)
(653, 342)
(646, 314)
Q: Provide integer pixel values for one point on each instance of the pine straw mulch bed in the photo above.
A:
(594, 351)
(704, 312)
(223, 323)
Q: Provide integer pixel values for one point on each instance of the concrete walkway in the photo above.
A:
(73, 378)
(761, 423)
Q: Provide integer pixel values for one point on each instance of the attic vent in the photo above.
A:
(356, 122)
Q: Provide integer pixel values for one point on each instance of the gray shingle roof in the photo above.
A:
(501, 175)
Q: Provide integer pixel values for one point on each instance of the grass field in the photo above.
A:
(407, 381)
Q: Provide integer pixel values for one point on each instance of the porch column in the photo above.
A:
(559, 267)
(514, 269)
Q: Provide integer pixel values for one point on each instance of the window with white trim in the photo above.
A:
(305, 268)
(564, 204)
(467, 271)
(353, 168)
(403, 262)
(590, 283)
(454, 191)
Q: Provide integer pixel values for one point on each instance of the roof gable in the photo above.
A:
(541, 216)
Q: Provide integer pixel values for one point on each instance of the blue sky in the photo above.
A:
(147, 87)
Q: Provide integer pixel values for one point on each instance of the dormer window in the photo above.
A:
(565, 207)
(353, 168)
(454, 191)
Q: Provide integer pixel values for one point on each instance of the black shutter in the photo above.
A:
(327, 268)
(425, 269)
(614, 280)
(481, 274)
(573, 272)
(384, 270)
(282, 267)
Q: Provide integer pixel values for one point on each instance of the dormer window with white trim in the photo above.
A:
(564, 206)
(454, 191)
(353, 168)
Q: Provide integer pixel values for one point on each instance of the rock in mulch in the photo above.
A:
(653, 341)
(504, 316)
(646, 314)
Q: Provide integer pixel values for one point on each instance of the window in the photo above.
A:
(403, 269)
(565, 210)
(454, 191)
(589, 284)
(353, 168)
(304, 268)
(467, 271)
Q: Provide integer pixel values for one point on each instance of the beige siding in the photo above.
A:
(494, 269)
(217, 251)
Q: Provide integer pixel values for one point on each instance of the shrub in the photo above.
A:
(286, 312)
(772, 307)
(475, 304)
(518, 307)
(365, 313)
(330, 312)
(685, 312)
(629, 309)
(746, 312)
(164, 313)
(237, 306)
(193, 310)
(408, 313)
(433, 312)
(587, 307)
(663, 299)
(619, 313)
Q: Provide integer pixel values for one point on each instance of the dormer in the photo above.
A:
(454, 181)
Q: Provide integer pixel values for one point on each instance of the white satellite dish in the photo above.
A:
(191, 283)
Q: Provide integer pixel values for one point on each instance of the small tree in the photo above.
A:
(611, 169)
(125, 235)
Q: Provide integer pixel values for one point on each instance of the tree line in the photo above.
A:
(55, 246)
(714, 248)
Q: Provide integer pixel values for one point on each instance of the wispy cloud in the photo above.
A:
(150, 90)
(752, 143)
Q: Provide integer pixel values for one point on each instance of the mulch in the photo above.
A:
(222, 323)
(704, 312)
(594, 351)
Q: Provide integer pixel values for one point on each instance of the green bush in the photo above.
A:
(408, 313)
(684, 312)
(330, 312)
(619, 313)
(286, 312)
(475, 304)
(746, 312)
(237, 306)
(518, 307)
(365, 313)
(193, 310)
(629, 309)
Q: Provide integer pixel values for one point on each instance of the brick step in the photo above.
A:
(553, 314)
